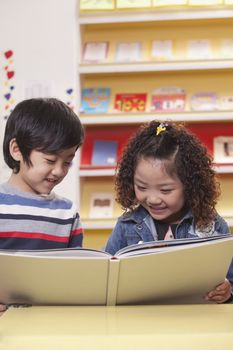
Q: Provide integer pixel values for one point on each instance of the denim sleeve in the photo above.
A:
(221, 226)
(117, 239)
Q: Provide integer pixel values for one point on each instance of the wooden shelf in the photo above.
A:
(154, 15)
(142, 67)
(136, 118)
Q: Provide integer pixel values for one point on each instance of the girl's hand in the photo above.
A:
(221, 293)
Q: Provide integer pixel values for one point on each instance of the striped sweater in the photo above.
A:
(29, 221)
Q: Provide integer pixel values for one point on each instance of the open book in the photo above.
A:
(178, 271)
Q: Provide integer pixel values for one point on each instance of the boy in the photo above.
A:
(40, 141)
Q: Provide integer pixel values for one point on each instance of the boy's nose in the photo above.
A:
(59, 171)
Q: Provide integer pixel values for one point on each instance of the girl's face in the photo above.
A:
(158, 192)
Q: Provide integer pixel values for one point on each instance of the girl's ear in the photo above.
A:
(15, 151)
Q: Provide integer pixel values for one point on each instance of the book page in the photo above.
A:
(181, 275)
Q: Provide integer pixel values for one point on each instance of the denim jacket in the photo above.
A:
(138, 226)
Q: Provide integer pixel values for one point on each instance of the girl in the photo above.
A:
(168, 189)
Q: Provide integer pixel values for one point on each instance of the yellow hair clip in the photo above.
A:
(160, 128)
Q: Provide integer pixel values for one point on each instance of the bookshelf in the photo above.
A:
(201, 74)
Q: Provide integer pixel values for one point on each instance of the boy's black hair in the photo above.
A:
(185, 157)
(44, 124)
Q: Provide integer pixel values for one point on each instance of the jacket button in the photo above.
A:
(139, 227)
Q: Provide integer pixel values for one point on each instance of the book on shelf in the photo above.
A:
(168, 99)
(169, 2)
(128, 51)
(95, 100)
(199, 49)
(205, 2)
(129, 4)
(101, 205)
(104, 153)
(225, 103)
(162, 50)
(97, 5)
(226, 48)
(95, 51)
(204, 101)
(223, 149)
(130, 102)
(177, 271)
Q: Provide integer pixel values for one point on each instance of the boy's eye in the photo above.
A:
(50, 161)
(68, 164)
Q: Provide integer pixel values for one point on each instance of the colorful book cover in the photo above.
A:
(204, 101)
(130, 102)
(168, 99)
(104, 153)
(95, 100)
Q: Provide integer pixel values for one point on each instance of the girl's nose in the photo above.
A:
(154, 199)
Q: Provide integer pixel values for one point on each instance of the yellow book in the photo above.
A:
(169, 2)
(97, 5)
(162, 272)
(205, 2)
(126, 4)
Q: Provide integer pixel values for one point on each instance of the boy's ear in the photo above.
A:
(15, 151)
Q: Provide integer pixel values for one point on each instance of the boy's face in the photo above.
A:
(45, 172)
(158, 192)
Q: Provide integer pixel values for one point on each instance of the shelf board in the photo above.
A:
(109, 224)
(98, 224)
(152, 15)
(139, 118)
(140, 67)
(96, 172)
(224, 169)
(220, 169)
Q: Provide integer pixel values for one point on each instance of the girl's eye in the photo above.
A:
(68, 164)
(141, 188)
(166, 191)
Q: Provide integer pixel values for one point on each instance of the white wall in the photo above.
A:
(42, 36)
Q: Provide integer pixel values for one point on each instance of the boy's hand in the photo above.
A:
(2, 308)
(221, 293)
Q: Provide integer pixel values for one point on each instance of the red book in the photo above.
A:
(129, 102)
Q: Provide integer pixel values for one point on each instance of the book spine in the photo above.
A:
(113, 275)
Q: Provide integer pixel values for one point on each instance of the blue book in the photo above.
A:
(104, 153)
(95, 100)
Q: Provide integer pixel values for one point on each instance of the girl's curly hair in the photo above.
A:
(191, 163)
